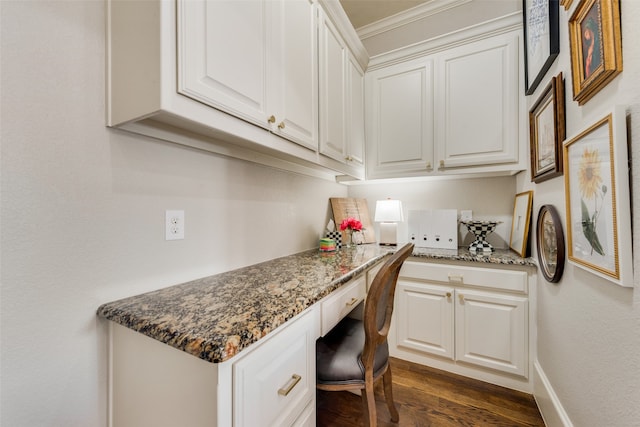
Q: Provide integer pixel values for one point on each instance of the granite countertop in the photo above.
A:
(216, 317)
(498, 256)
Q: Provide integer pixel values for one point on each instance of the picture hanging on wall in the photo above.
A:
(596, 46)
(547, 131)
(550, 243)
(541, 40)
(520, 223)
(597, 199)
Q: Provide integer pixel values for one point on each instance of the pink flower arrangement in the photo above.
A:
(350, 224)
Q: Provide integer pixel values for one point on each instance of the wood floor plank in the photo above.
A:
(433, 398)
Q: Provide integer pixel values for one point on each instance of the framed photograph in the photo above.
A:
(520, 224)
(541, 39)
(596, 180)
(547, 131)
(596, 46)
(550, 243)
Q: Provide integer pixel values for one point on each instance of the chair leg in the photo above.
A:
(369, 405)
(388, 394)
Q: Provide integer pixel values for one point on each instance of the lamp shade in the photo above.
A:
(389, 211)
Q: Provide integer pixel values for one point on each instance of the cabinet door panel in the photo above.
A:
(355, 140)
(425, 318)
(492, 331)
(333, 56)
(229, 75)
(400, 119)
(478, 121)
(293, 65)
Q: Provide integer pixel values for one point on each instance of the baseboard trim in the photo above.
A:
(549, 405)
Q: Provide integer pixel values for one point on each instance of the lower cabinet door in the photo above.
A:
(425, 318)
(276, 382)
(492, 331)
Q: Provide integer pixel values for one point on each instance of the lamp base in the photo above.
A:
(388, 233)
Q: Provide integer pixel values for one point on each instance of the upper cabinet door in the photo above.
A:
(355, 139)
(222, 51)
(477, 120)
(333, 108)
(400, 119)
(293, 65)
(256, 60)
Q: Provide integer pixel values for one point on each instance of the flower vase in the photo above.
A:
(349, 239)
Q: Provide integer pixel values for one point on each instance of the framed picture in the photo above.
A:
(566, 4)
(343, 207)
(547, 131)
(520, 224)
(541, 39)
(550, 243)
(596, 180)
(596, 46)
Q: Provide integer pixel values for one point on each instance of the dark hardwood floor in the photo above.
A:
(429, 397)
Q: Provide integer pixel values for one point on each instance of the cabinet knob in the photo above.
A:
(281, 125)
(461, 298)
(271, 119)
(429, 167)
(448, 294)
(441, 164)
(295, 379)
(348, 158)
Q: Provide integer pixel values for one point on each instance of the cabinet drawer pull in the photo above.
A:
(295, 379)
(461, 298)
(271, 119)
(448, 294)
(281, 125)
(455, 278)
(352, 301)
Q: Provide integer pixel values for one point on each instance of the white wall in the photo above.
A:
(82, 211)
(589, 328)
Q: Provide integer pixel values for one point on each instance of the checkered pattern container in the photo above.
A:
(337, 236)
(480, 229)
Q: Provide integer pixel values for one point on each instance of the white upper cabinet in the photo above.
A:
(400, 119)
(451, 106)
(256, 60)
(341, 98)
(477, 96)
(238, 78)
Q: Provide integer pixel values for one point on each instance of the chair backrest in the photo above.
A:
(379, 304)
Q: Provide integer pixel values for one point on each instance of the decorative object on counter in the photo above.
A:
(520, 223)
(351, 226)
(388, 214)
(334, 234)
(434, 228)
(541, 39)
(597, 197)
(327, 245)
(596, 46)
(480, 229)
(547, 131)
(354, 208)
(550, 243)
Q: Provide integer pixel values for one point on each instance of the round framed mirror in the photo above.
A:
(550, 243)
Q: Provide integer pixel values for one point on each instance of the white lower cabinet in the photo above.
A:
(467, 320)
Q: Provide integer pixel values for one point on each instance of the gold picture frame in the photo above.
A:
(596, 46)
(520, 222)
(547, 131)
(597, 199)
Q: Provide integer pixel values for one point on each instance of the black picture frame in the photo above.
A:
(541, 40)
(550, 243)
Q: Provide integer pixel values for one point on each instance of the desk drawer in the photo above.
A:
(340, 303)
(274, 384)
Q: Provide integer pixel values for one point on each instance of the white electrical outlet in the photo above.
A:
(174, 225)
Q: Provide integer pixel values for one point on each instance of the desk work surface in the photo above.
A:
(216, 317)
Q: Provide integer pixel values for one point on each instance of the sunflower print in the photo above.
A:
(589, 177)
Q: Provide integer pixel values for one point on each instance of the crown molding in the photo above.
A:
(504, 24)
(406, 17)
(337, 15)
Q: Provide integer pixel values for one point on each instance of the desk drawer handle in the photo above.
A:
(352, 301)
(295, 379)
(458, 278)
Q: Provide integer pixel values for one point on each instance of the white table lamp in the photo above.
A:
(388, 214)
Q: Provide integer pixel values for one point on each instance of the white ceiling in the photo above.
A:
(363, 12)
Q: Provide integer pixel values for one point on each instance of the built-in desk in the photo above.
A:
(234, 349)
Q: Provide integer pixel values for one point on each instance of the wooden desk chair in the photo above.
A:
(355, 354)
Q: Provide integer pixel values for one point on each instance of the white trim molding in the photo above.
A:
(549, 405)
(429, 8)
